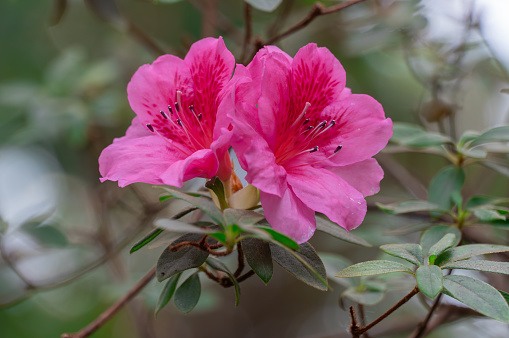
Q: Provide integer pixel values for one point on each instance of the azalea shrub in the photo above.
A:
(255, 154)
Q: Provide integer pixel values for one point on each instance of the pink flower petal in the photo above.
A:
(317, 78)
(211, 67)
(202, 163)
(133, 159)
(288, 215)
(153, 87)
(271, 73)
(325, 192)
(364, 176)
(362, 130)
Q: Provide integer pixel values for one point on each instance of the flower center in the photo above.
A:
(301, 139)
(184, 125)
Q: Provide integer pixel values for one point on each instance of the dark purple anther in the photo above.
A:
(149, 126)
(314, 149)
(164, 115)
(179, 122)
(338, 148)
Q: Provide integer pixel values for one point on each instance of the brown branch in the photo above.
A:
(110, 312)
(202, 245)
(247, 32)
(317, 10)
(358, 331)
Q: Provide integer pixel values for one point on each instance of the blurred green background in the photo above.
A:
(64, 68)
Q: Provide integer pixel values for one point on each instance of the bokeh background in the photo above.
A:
(65, 237)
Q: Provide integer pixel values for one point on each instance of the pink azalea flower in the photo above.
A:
(180, 131)
(306, 142)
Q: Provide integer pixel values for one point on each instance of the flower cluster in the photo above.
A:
(305, 141)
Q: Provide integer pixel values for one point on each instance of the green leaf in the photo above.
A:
(371, 268)
(431, 236)
(180, 227)
(409, 252)
(414, 136)
(443, 244)
(156, 232)
(305, 264)
(487, 215)
(478, 201)
(259, 258)
(167, 293)
(173, 262)
(45, 234)
(280, 238)
(366, 295)
(505, 295)
(242, 218)
(473, 153)
(467, 137)
(498, 134)
(331, 228)
(409, 206)
(264, 5)
(218, 265)
(145, 240)
(479, 265)
(188, 294)
(217, 188)
(444, 185)
(204, 204)
(480, 296)
(429, 280)
(469, 251)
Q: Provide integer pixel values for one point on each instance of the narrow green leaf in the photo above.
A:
(409, 206)
(145, 240)
(479, 265)
(498, 134)
(408, 251)
(188, 294)
(480, 296)
(305, 264)
(414, 136)
(180, 227)
(444, 185)
(331, 228)
(429, 280)
(242, 218)
(173, 262)
(487, 215)
(468, 251)
(204, 204)
(218, 265)
(431, 236)
(443, 244)
(280, 238)
(167, 293)
(371, 268)
(259, 258)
